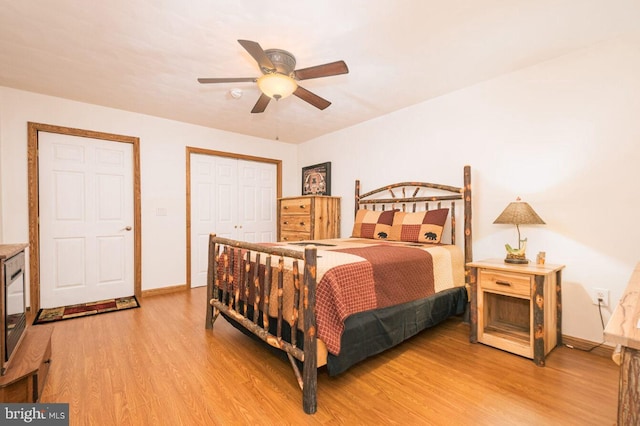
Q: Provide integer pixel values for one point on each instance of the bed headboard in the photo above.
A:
(418, 196)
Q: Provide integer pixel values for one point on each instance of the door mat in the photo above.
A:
(48, 315)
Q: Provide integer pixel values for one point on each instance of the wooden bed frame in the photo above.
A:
(237, 307)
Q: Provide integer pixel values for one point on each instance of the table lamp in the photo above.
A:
(518, 213)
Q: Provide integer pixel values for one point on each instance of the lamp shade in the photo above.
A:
(277, 86)
(519, 213)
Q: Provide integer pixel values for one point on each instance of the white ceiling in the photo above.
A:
(145, 55)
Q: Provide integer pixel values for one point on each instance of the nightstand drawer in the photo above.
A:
(505, 282)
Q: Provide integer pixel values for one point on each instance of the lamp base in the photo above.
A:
(516, 260)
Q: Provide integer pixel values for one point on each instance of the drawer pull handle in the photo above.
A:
(302, 206)
(285, 222)
(301, 223)
(285, 208)
(505, 283)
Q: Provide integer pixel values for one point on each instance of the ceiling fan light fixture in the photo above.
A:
(277, 86)
(280, 76)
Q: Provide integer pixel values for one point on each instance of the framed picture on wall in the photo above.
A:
(316, 179)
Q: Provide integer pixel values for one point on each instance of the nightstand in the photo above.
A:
(516, 308)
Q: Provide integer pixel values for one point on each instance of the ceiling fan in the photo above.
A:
(280, 78)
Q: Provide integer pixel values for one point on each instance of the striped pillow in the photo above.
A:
(419, 227)
(372, 224)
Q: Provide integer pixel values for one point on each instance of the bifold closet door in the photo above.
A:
(233, 198)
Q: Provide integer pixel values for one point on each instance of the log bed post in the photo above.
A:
(211, 276)
(310, 367)
(468, 237)
(357, 198)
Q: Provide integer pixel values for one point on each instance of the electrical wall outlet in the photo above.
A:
(600, 296)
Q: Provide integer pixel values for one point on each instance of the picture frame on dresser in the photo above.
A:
(316, 179)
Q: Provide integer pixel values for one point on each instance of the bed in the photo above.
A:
(336, 302)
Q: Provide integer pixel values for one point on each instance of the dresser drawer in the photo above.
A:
(295, 223)
(295, 236)
(505, 282)
(296, 206)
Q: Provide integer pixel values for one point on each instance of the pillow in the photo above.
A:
(419, 227)
(372, 224)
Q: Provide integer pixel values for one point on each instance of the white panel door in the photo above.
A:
(223, 197)
(257, 204)
(213, 207)
(86, 219)
(232, 198)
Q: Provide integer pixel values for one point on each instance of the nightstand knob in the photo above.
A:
(505, 283)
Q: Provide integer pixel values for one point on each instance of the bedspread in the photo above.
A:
(357, 275)
(388, 275)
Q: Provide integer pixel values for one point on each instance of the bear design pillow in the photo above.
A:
(419, 227)
(373, 224)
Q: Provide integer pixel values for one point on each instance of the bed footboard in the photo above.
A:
(240, 280)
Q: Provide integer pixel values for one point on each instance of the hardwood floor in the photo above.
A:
(157, 365)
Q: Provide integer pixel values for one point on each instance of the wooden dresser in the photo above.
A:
(308, 218)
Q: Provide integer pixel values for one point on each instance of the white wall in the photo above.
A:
(162, 163)
(564, 135)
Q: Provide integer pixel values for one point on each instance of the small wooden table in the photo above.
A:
(624, 329)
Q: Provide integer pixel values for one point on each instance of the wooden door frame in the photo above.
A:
(194, 150)
(34, 227)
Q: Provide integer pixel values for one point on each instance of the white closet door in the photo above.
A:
(257, 204)
(223, 197)
(86, 219)
(232, 198)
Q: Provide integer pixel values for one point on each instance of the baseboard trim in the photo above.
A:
(604, 350)
(164, 290)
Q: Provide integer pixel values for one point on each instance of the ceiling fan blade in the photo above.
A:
(312, 98)
(261, 105)
(227, 80)
(326, 70)
(258, 54)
